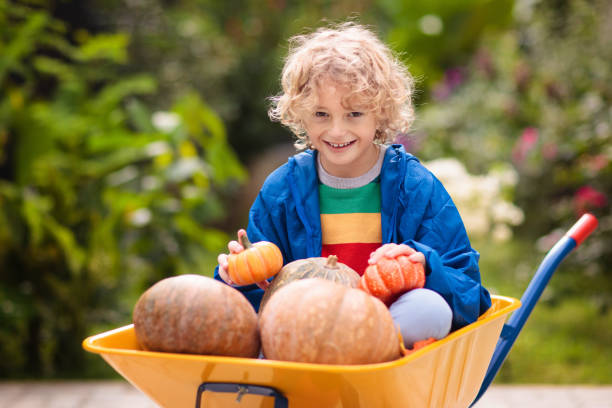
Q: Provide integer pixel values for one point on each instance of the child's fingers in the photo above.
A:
(386, 247)
(234, 247)
(379, 253)
(399, 250)
(418, 257)
(374, 257)
(390, 251)
(222, 259)
(263, 284)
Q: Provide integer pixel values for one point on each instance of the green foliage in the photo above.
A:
(565, 343)
(538, 96)
(232, 51)
(433, 35)
(99, 197)
(566, 339)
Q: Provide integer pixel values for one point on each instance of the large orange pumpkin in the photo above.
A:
(197, 315)
(318, 321)
(258, 262)
(388, 278)
(317, 267)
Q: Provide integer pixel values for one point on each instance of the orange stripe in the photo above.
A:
(347, 228)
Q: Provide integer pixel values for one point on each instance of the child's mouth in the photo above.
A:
(340, 145)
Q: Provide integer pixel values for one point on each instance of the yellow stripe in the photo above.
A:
(351, 228)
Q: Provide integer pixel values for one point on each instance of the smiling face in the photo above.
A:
(342, 133)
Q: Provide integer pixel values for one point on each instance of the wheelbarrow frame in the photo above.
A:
(572, 239)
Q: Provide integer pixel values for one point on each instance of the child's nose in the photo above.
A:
(337, 128)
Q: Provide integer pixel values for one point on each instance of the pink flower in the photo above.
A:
(453, 78)
(588, 198)
(529, 137)
(412, 141)
(440, 91)
(524, 144)
(597, 163)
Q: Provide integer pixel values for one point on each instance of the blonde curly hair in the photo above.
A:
(351, 56)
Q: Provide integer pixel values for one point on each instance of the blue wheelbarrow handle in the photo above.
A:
(574, 237)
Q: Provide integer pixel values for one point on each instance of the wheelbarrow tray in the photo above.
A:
(452, 372)
(447, 373)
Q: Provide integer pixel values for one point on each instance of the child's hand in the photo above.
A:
(234, 247)
(393, 250)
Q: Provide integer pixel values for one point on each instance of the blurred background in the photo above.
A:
(134, 136)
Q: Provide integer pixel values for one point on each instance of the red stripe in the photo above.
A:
(355, 255)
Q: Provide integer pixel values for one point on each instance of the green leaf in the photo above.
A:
(22, 44)
(225, 166)
(140, 116)
(74, 254)
(34, 142)
(34, 210)
(113, 161)
(210, 239)
(112, 47)
(54, 67)
(112, 94)
(118, 139)
(205, 126)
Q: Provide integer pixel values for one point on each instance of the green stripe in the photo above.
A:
(364, 199)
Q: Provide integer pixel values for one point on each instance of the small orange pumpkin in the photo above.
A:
(390, 277)
(258, 262)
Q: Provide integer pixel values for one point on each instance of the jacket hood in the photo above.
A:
(303, 165)
(303, 183)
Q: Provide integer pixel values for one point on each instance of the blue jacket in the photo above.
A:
(416, 210)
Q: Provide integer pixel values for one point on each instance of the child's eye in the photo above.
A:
(320, 114)
(355, 114)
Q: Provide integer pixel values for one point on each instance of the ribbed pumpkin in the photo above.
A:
(318, 321)
(197, 315)
(317, 267)
(258, 262)
(388, 278)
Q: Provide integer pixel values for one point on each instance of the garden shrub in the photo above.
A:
(99, 197)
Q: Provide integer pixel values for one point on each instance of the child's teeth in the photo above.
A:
(340, 145)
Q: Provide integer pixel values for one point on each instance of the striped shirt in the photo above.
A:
(350, 216)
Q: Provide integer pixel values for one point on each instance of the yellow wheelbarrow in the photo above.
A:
(452, 372)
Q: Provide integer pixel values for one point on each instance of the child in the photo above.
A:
(345, 96)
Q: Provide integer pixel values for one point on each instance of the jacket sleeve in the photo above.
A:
(451, 263)
(260, 228)
(252, 292)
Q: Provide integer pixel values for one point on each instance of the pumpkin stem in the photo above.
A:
(244, 241)
(332, 262)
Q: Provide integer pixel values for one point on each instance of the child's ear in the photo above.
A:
(379, 136)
